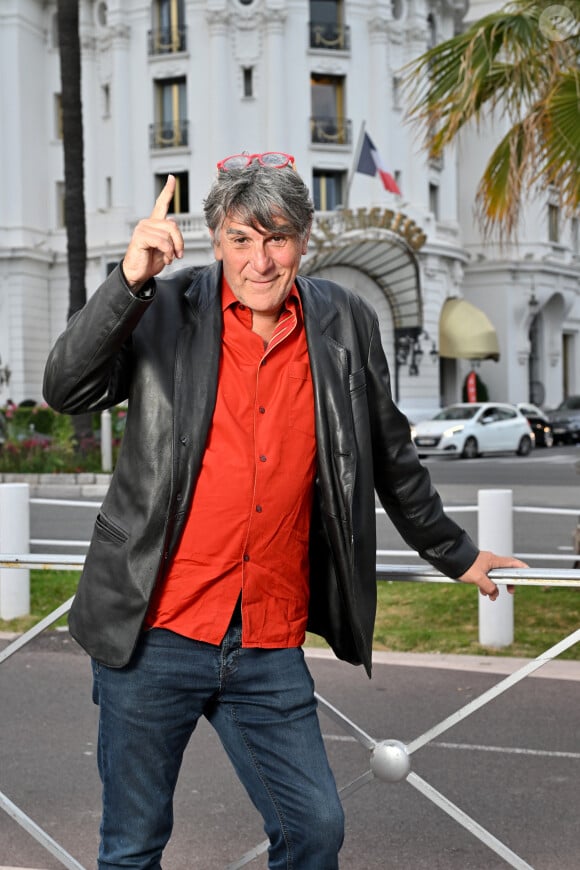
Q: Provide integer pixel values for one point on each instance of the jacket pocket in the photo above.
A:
(357, 381)
(109, 532)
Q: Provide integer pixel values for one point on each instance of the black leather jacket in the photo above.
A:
(162, 354)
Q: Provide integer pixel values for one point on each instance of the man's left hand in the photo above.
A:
(486, 561)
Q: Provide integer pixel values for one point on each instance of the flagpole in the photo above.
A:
(355, 163)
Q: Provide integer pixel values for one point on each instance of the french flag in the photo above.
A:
(370, 163)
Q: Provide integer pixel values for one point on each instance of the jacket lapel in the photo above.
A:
(330, 368)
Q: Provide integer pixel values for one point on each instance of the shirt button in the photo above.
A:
(259, 508)
(246, 557)
(262, 458)
(183, 439)
(262, 410)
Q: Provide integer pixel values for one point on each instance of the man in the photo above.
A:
(241, 510)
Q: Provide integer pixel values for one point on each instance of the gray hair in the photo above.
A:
(259, 196)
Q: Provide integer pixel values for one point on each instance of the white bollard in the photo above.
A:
(106, 441)
(496, 532)
(14, 538)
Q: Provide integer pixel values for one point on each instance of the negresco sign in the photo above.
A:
(330, 227)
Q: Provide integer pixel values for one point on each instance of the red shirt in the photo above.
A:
(248, 526)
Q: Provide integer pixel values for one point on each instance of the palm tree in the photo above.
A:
(74, 198)
(519, 63)
(72, 129)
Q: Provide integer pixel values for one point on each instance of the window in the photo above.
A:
(398, 9)
(58, 116)
(54, 31)
(168, 33)
(108, 192)
(327, 30)
(434, 200)
(553, 222)
(101, 14)
(106, 100)
(180, 201)
(170, 129)
(432, 30)
(60, 204)
(397, 92)
(327, 189)
(574, 236)
(328, 124)
(248, 81)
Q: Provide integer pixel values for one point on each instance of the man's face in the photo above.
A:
(259, 265)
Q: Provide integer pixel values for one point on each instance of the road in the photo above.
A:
(514, 766)
(546, 478)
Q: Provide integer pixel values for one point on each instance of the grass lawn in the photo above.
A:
(411, 617)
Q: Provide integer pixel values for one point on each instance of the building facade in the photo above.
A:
(172, 86)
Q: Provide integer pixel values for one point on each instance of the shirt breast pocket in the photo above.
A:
(300, 399)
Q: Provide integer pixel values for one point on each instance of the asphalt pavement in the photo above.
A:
(513, 766)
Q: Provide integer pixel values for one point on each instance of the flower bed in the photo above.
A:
(34, 439)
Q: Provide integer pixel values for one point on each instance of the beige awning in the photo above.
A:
(466, 332)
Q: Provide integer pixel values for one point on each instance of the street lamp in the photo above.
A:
(409, 351)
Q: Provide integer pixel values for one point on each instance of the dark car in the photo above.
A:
(565, 420)
(539, 423)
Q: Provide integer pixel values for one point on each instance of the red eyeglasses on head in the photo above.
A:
(270, 159)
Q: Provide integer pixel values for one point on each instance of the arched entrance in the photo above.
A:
(379, 264)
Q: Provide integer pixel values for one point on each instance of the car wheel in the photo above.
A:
(470, 449)
(548, 439)
(525, 446)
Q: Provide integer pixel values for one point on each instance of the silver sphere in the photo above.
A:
(390, 761)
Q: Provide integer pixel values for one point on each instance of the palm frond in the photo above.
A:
(506, 65)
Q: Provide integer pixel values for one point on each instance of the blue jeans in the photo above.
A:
(262, 705)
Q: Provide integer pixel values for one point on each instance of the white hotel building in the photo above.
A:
(175, 85)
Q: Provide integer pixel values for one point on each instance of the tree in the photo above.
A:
(520, 63)
(74, 197)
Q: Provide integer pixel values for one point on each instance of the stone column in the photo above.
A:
(277, 80)
(220, 108)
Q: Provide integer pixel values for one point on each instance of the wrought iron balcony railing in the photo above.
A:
(327, 36)
(330, 131)
(169, 134)
(167, 40)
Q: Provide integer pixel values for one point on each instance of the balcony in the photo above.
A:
(330, 131)
(329, 37)
(169, 134)
(167, 40)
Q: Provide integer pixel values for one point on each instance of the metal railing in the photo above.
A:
(329, 36)
(169, 134)
(166, 40)
(330, 130)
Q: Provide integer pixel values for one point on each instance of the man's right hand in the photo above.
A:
(155, 243)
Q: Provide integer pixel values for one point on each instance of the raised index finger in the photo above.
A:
(163, 201)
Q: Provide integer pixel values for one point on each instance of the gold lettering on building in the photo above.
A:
(330, 227)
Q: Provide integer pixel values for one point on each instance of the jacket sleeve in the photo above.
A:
(89, 367)
(403, 484)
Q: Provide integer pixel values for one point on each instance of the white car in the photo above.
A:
(470, 429)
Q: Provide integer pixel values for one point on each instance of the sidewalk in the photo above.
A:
(557, 669)
(66, 486)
